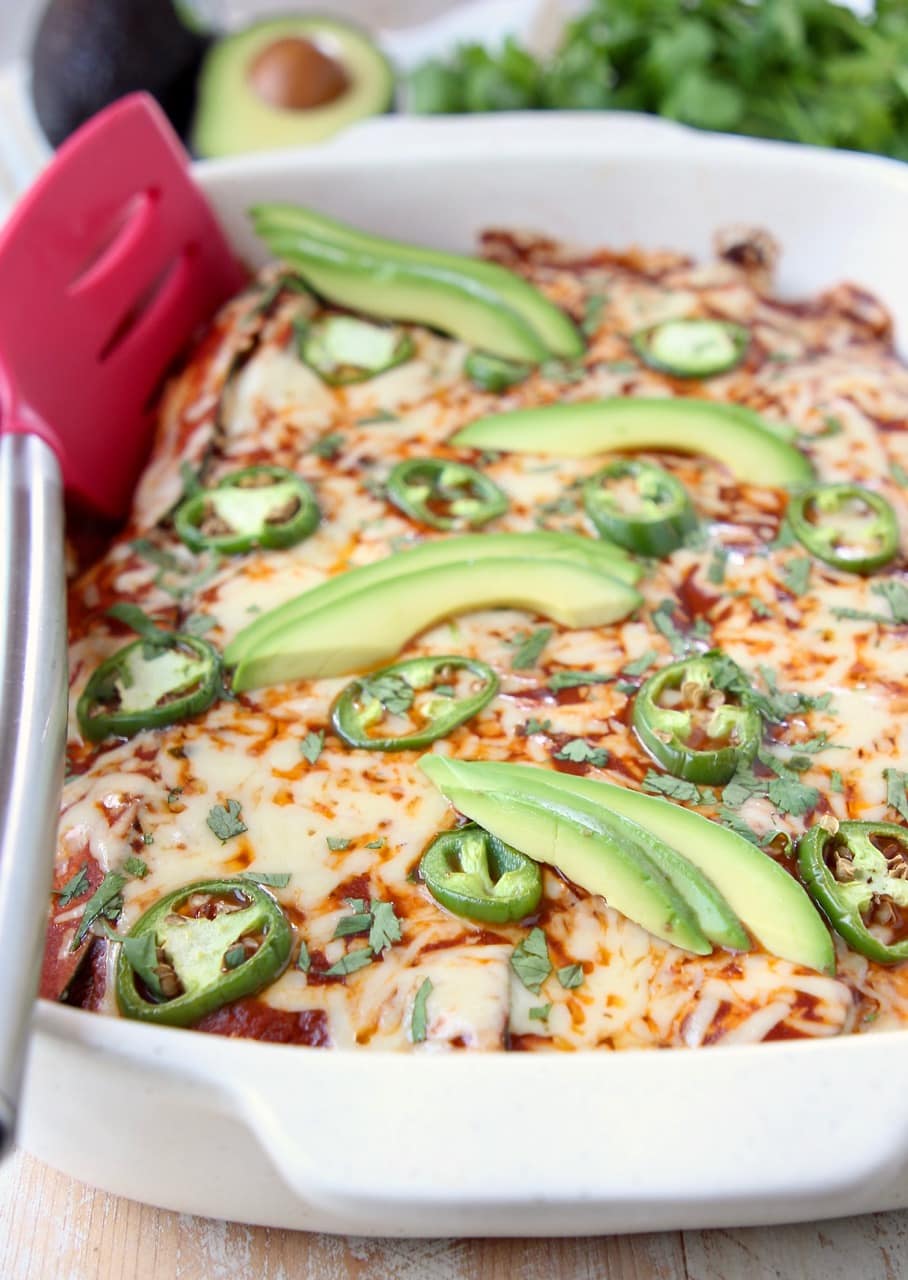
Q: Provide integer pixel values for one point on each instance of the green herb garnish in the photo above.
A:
(226, 820)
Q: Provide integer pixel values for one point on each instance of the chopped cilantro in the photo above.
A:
(576, 679)
(639, 665)
(529, 647)
(191, 479)
(328, 447)
(530, 960)
(715, 571)
(784, 538)
(138, 621)
(741, 786)
(580, 752)
(380, 415)
(835, 781)
(759, 608)
(796, 575)
(376, 844)
(174, 794)
(625, 686)
(593, 307)
(570, 976)
(268, 879)
(418, 1019)
(312, 744)
(540, 1012)
(155, 555)
(536, 726)
(832, 426)
(136, 866)
(895, 593)
(106, 902)
(444, 691)
(198, 623)
(226, 820)
(897, 791)
(664, 622)
(790, 795)
(359, 922)
(392, 691)
(350, 963)
(75, 887)
(730, 818)
(303, 959)
(337, 844)
(385, 928)
(664, 784)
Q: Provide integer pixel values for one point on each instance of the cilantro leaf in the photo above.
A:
(106, 902)
(359, 922)
(529, 647)
(540, 1012)
(337, 844)
(835, 781)
(381, 415)
(198, 623)
(392, 691)
(593, 307)
(155, 555)
(328, 447)
(75, 887)
(311, 746)
(137, 867)
(790, 795)
(138, 621)
(385, 928)
(731, 818)
(576, 679)
(350, 963)
(741, 786)
(530, 960)
(536, 726)
(579, 751)
(639, 665)
(268, 879)
(895, 593)
(664, 784)
(896, 788)
(570, 976)
(796, 575)
(226, 821)
(303, 959)
(418, 1018)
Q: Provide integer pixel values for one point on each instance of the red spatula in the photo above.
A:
(106, 268)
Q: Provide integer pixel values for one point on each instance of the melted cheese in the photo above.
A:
(247, 398)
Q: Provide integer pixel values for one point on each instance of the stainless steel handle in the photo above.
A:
(32, 733)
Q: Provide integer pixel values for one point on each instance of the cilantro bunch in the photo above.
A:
(802, 70)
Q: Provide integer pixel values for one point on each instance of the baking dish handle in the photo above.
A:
(32, 732)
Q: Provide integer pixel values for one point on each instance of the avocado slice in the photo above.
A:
(557, 332)
(770, 902)
(739, 439)
(287, 82)
(593, 858)
(362, 629)
(604, 557)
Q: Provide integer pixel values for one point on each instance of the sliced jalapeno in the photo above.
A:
(845, 525)
(199, 948)
(640, 506)
(345, 349)
(476, 875)
(689, 726)
(494, 373)
(692, 348)
(445, 495)
(858, 877)
(257, 507)
(147, 685)
(433, 694)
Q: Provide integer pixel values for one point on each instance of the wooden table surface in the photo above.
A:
(52, 1228)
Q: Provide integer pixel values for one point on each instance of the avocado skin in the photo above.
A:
(87, 53)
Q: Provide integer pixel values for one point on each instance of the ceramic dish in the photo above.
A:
(509, 1144)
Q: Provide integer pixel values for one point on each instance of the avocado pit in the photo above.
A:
(294, 74)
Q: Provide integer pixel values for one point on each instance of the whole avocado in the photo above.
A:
(87, 53)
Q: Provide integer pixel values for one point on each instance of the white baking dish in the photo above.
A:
(523, 1144)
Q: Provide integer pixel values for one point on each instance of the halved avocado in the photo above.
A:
(734, 436)
(552, 326)
(360, 630)
(762, 894)
(593, 859)
(287, 82)
(601, 556)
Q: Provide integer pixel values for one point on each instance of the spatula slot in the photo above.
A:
(125, 230)
(154, 301)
